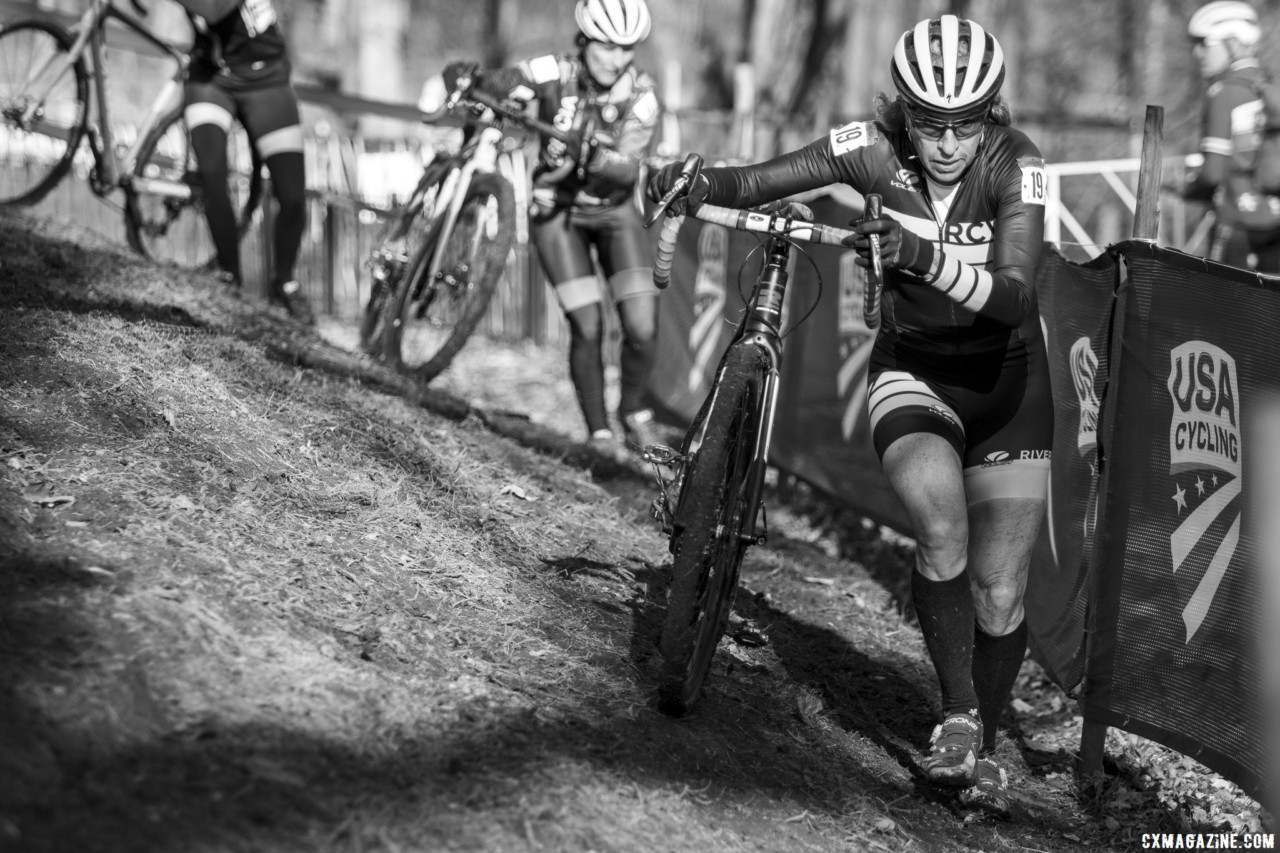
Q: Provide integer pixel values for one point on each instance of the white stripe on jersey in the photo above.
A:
(543, 69)
(258, 15)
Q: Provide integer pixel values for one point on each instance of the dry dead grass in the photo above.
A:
(247, 605)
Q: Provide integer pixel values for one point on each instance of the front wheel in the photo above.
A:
(400, 240)
(447, 287)
(44, 109)
(707, 543)
(164, 197)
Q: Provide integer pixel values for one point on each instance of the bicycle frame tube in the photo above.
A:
(482, 157)
(112, 167)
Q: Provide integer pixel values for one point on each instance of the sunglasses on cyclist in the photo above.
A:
(934, 130)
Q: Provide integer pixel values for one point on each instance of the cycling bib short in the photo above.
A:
(564, 244)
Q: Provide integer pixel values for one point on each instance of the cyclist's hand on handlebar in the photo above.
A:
(665, 178)
(580, 150)
(899, 248)
(461, 70)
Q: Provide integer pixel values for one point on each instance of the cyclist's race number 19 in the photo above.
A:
(851, 136)
(1034, 189)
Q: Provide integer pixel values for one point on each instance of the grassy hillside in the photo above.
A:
(258, 594)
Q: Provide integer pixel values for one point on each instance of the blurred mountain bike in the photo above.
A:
(713, 507)
(439, 257)
(53, 95)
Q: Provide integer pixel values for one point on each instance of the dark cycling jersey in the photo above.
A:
(1231, 125)
(990, 233)
(623, 117)
(242, 50)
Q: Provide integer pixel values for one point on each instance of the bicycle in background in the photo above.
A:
(713, 507)
(440, 256)
(53, 94)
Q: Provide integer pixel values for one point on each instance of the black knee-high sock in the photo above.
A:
(637, 359)
(945, 612)
(996, 662)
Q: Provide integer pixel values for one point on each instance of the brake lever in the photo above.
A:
(688, 174)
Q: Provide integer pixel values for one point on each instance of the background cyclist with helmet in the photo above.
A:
(584, 198)
(959, 397)
(1224, 39)
(240, 71)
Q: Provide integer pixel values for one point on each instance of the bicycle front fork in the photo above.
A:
(664, 507)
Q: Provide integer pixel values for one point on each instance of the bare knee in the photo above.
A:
(998, 602)
(941, 543)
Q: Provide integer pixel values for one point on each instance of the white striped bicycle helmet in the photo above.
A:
(1224, 19)
(949, 67)
(620, 22)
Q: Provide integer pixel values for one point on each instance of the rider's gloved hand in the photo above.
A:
(899, 248)
(455, 71)
(661, 182)
(580, 150)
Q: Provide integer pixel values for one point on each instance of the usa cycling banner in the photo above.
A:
(1175, 620)
(1075, 310)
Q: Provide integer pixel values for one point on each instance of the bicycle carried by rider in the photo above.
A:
(53, 95)
(712, 507)
(440, 255)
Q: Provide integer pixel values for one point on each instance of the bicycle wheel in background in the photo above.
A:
(35, 155)
(164, 201)
(707, 546)
(400, 240)
(449, 283)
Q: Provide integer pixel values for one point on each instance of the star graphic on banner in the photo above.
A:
(1200, 486)
(1180, 497)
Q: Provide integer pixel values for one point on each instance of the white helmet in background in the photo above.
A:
(1224, 19)
(948, 66)
(620, 22)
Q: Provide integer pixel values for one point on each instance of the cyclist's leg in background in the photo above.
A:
(920, 440)
(209, 112)
(566, 260)
(271, 119)
(624, 251)
(1229, 244)
(1266, 247)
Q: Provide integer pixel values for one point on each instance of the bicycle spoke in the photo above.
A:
(43, 110)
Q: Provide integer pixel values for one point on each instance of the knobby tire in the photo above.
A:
(421, 296)
(706, 545)
(16, 58)
(401, 238)
(175, 230)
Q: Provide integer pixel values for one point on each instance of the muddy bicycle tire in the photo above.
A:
(33, 163)
(707, 546)
(450, 280)
(399, 240)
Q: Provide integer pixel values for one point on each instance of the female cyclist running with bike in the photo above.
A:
(959, 400)
(584, 198)
(240, 70)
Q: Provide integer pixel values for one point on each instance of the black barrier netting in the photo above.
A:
(1174, 630)
(1075, 309)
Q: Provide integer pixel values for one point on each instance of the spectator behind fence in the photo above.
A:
(960, 408)
(240, 70)
(584, 197)
(1224, 39)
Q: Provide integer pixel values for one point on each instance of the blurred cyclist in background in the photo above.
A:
(240, 71)
(584, 198)
(1224, 39)
(960, 407)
